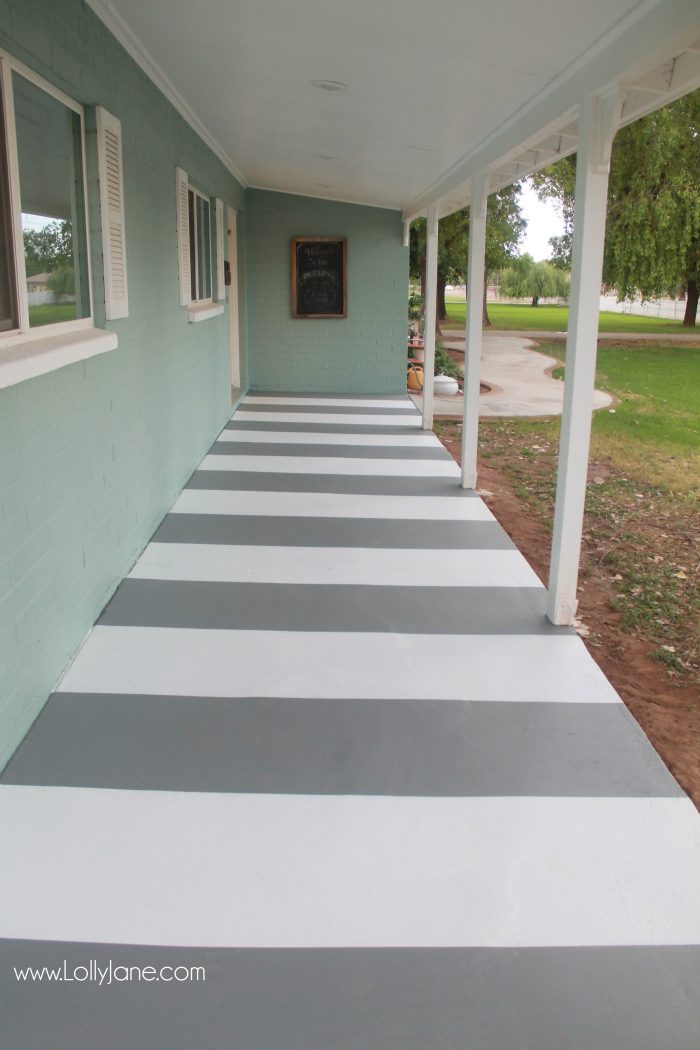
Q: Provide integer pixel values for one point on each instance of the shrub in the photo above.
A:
(415, 307)
(444, 365)
(62, 281)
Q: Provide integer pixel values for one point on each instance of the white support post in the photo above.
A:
(598, 121)
(429, 314)
(473, 331)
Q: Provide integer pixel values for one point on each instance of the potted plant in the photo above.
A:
(416, 343)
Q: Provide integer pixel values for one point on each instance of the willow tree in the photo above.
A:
(527, 279)
(652, 238)
(505, 226)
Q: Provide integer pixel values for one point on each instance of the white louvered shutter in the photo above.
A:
(109, 158)
(183, 236)
(220, 286)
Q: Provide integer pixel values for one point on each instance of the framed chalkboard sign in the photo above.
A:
(319, 277)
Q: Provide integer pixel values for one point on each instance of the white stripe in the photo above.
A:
(423, 439)
(335, 565)
(393, 468)
(332, 505)
(399, 419)
(276, 871)
(336, 664)
(339, 402)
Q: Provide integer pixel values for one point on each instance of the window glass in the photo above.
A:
(193, 241)
(49, 148)
(200, 246)
(204, 248)
(9, 318)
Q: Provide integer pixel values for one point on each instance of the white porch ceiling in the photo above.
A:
(430, 86)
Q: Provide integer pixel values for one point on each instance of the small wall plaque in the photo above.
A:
(319, 277)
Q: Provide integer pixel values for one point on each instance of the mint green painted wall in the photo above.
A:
(364, 353)
(92, 455)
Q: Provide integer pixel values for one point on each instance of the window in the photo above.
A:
(44, 261)
(195, 249)
(200, 246)
(9, 316)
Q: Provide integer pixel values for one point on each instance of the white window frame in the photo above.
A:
(194, 253)
(25, 334)
(221, 237)
(188, 261)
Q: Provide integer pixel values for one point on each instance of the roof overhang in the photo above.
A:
(546, 129)
(436, 93)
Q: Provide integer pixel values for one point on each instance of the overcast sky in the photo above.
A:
(543, 222)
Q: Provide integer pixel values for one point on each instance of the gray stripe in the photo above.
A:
(360, 999)
(318, 607)
(356, 484)
(268, 531)
(318, 428)
(340, 410)
(339, 747)
(262, 448)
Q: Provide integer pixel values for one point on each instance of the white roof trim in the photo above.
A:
(323, 197)
(118, 27)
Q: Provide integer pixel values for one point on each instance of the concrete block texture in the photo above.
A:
(364, 353)
(92, 455)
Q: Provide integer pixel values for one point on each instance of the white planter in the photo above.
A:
(445, 386)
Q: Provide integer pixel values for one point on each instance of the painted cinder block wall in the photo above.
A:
(364, 353)
(92, 455)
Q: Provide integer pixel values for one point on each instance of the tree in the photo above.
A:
(557, 183)
(504, 228)
(527, 279)
(48, 248)
(652, 240)
(62, 281)
(453, 231)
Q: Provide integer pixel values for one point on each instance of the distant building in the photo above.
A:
(39, 282)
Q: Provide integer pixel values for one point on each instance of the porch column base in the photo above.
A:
(564, 614)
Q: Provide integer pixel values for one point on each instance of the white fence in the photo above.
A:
(670, 309)
(40, 298)
(458, 293)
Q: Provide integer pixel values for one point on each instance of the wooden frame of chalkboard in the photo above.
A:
(319, 277)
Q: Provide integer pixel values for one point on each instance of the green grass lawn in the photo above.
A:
(654, 430)
(51, 313)
(511, 317)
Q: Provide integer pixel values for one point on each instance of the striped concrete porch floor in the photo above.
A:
(324, 743)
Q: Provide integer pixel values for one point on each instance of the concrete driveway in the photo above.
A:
(519, 379)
